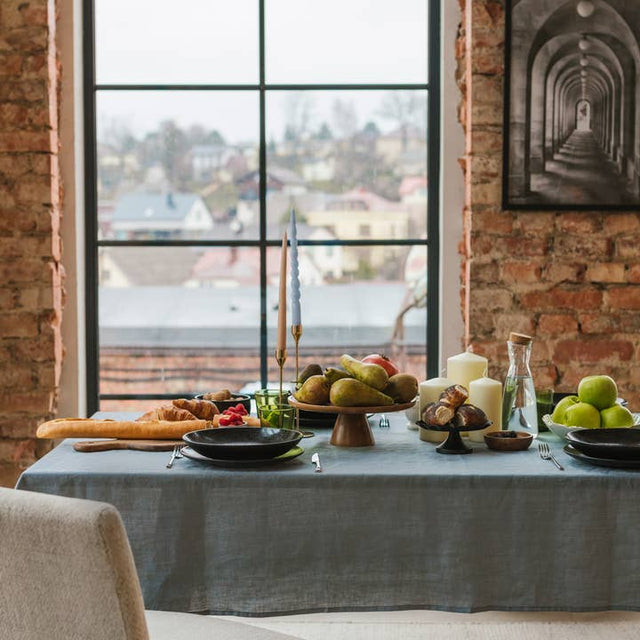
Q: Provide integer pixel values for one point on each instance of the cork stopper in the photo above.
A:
(519, 338)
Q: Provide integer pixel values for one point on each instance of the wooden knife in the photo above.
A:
(138, 445)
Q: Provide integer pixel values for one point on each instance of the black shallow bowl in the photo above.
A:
(619, 444)
(223, 405)
(242, 443)
(314, 415)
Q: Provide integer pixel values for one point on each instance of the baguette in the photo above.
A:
(128, 429)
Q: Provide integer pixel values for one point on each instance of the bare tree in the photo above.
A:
(345, 118)
(298, 110)
(408, 109)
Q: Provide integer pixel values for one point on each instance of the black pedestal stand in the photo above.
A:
(453, 444)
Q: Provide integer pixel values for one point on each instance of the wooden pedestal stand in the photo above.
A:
(352, 428)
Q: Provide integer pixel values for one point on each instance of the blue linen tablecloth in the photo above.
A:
(388, 527)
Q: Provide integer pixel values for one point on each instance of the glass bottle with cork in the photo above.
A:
(519, 409)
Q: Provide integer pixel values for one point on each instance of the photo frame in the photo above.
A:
(572, 105)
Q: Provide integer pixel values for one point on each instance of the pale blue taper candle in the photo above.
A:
(295, 276)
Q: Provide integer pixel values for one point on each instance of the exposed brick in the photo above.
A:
(25, 141)
(492, 299)
(627, 248)
(617, 223)
(559, 272)
(539, 222)
(31, 279)
(557, 324)
(18, 325)
(492, 221)
(578, 223)
(606, 272)
(623, 298)
(633, 273)
(590, 247)
(562, 299)
(568, 351)
(521, 272)
(486, 141)
(16, 377)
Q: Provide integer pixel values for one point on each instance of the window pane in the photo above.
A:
(175, 165)
(178, 319)
(346, 42)
(355, 300)
(197, 41)
(354, 163)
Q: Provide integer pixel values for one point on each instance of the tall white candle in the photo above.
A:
(465, 367)
(295, 275)
(430, 391)
(486, 394)
(282, 298)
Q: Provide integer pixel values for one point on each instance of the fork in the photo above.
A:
(545, 454)
(384, 422)
(176, 453)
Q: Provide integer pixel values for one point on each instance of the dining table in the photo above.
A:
(391, 526)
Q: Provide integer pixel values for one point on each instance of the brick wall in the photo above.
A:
(30, 271)
(571, 279)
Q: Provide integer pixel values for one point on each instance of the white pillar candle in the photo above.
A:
(465, 367)
(486, 394)
(430, 391)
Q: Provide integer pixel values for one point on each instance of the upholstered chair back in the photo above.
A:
(66, 571)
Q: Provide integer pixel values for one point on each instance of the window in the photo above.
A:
(204, 128)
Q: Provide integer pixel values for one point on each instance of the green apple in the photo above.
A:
(600, 391)
(583, 415)
(559, 412)
(616, 416)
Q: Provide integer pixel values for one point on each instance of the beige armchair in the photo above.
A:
(67, 573)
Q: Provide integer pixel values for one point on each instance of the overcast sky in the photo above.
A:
(215, 41)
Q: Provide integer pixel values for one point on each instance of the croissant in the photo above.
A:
(454, 396)
(202, 409)
(437, 414)
(469, 415)
(167, 413)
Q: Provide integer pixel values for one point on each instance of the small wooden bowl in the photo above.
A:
(499, 441)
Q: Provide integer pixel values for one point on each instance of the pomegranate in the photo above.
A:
(383, 361)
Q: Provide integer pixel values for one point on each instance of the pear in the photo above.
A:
(403, 387)
(315, 390)
(349, 392)
(371, 374)
(332, 374)
(313, 369)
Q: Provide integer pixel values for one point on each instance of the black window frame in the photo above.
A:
(93, 244)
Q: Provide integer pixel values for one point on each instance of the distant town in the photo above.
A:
(345, 182)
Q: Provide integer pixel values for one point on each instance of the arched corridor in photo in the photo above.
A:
(574, 126)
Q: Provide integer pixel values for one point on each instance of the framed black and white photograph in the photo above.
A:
(572, 104)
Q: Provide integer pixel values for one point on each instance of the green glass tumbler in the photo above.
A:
(278, 416)
(544, 405)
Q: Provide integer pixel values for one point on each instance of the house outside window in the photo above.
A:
(203, 132)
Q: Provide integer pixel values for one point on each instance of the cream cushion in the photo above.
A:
(67, 573)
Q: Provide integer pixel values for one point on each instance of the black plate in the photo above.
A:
(601, 462)
(242, 443)
(188, 452)
(621, 444)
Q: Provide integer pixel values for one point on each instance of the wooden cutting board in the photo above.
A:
(138, 445)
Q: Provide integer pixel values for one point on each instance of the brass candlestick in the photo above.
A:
(296, 332)
(281, 358)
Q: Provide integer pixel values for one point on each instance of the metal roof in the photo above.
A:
(145, 207)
